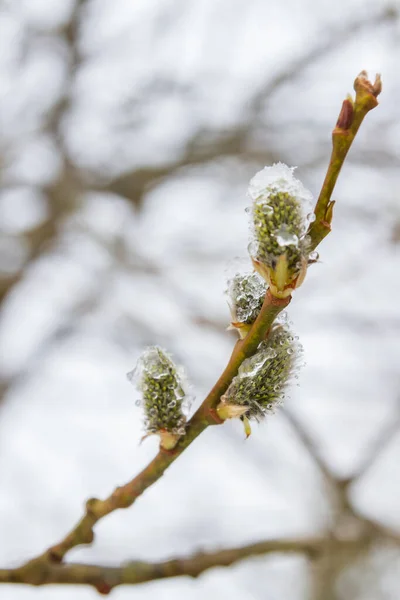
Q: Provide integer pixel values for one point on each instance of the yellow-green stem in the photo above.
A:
(349, 121)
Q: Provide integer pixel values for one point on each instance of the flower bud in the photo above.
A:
(262, 379)
(162, 386)
(246, 293)
(279, 247)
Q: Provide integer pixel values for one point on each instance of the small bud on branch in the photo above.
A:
(246, 293)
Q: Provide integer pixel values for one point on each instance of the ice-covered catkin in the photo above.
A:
(279, 247)
(161, 384)
(262, 379)
(246, 293)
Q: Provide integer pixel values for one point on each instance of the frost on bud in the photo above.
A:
(161, 384)
(262, 379)
(246, 293)
(281, 213)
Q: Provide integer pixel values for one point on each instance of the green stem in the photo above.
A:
(349, 121)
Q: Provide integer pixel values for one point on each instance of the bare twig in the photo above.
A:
(104, 579)
(383, 439)
(310, 445)
(349, 121)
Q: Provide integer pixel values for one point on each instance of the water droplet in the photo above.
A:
(314, 255)
(251, 366)
(171, 404)
(253, 248)
(285, 238)
(138, 402)
(267, 209)
(311, 217)
(131, 375)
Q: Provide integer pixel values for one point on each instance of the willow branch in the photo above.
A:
(125, 496)
(39, 569)
(105, 578)
(350, 118)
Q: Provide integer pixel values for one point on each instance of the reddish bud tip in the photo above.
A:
(345, 118)
(103, 588)
(362, 84)
(54, 557)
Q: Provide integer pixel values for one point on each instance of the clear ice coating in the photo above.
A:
(251, 366)
(163, 389)
(246, 294)
(263, 379)
(279, 178)
(285, 238)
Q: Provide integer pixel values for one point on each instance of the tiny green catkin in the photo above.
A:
(279, 247)
(262, 380)
(246, 293)
(162, 386)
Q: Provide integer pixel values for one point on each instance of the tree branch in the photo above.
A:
(105, 578)
(383, 439)
(126, 495)
(45, 568)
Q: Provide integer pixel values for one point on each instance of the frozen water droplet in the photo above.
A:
(253, 248)
(131, 375)
(290, 351)
(138, 402)
(251, 366)
(285, 238)
(265, 207)
(171, 404)
(311, 217)
(247, 209)
(314, 255)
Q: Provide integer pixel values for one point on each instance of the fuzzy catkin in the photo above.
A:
(278, 227)
(263, 379)
(161, 385)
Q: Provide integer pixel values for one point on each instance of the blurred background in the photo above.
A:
(129, 132)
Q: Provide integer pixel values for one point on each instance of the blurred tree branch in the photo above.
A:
(104, 579)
